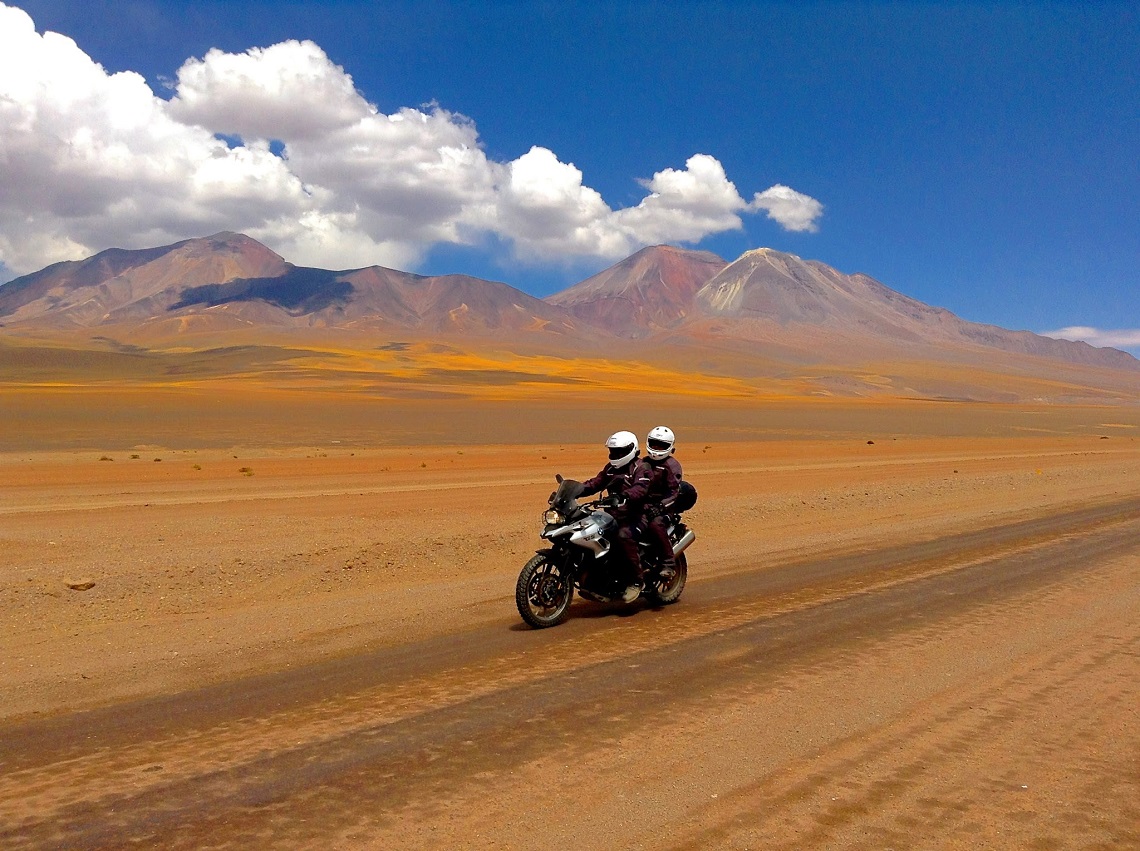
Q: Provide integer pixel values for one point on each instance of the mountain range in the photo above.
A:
(768, 303)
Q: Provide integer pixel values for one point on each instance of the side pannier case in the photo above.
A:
(686, 499)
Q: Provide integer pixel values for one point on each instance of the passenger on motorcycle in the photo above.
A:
(627, 478)
(664, 488)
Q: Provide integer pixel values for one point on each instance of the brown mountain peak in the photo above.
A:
(141, 282)
(648, 291)
(777, 297)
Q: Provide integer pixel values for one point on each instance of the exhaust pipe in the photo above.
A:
(683, 543)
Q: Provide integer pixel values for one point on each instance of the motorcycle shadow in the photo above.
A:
(591, 610)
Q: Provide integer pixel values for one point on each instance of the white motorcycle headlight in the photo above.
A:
(552, 517)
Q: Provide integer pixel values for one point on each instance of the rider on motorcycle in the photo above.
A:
(626, 477)
(664, 487)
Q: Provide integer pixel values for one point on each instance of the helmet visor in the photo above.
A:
(659, 445)
(617, 452)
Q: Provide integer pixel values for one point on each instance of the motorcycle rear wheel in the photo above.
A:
(665, 593)
(543, 592)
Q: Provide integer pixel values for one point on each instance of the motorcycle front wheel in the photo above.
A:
(543, 592)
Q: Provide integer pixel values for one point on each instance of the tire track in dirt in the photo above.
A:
(920, 778)
(404, 728)
(49, 501)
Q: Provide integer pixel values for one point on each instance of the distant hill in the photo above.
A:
(229, 281)
(767, 295)
(766, 306)
(650, 291)
(117, 284)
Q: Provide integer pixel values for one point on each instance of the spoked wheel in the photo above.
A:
(669, 592)
(543, 592)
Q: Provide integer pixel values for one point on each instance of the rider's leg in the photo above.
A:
(627, 540)
(659, 534)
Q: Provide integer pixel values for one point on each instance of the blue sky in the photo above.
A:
(980, 157)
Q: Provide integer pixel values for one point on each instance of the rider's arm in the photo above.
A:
(597, 484)
(639, 488)
(672, 481)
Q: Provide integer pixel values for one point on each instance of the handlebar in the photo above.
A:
(595, 504)
(606, 502)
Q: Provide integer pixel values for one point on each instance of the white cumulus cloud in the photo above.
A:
(277, 142)
(90, 160)
(1126, 338)
(544, 206)
(685, 205)
(291, 90)
(793, 210)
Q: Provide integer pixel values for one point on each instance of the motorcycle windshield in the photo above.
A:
(566, 497)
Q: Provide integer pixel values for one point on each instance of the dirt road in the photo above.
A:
(975, 688)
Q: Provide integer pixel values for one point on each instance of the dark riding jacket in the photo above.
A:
(630, 482)
(665, 484)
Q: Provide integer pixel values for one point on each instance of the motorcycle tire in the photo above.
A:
(664, 593)
(543, 592)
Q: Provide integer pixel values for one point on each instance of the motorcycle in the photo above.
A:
(583, 555)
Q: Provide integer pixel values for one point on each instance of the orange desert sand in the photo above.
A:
(247, 614)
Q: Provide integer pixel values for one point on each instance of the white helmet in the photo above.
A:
(659, 443)
(623, 448)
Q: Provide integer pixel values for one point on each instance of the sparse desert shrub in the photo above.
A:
(197, 466)
(423, 463)
(157, 459)
(106, 458)
(246, 471)
(134, 457)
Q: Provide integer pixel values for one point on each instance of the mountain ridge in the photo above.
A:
(650, 290)
(766, 299)
(231, 280)
(768, 287)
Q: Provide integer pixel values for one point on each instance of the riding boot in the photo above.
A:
(632, 592)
